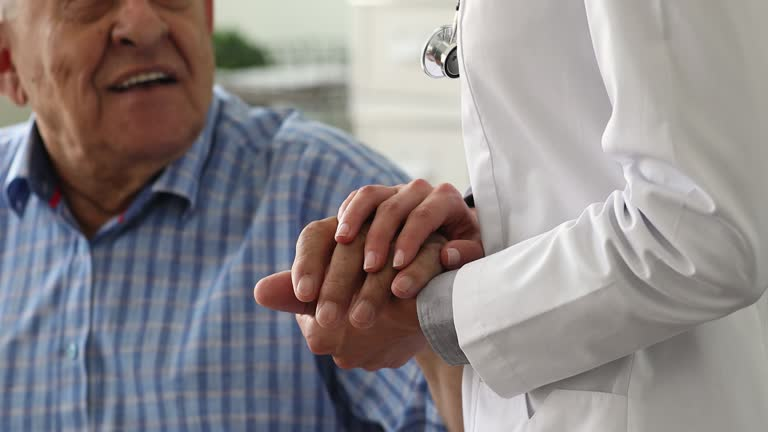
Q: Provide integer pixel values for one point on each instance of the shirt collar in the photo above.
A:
(182, 177)
(31, 170)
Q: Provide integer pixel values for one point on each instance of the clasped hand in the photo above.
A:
(353, 283)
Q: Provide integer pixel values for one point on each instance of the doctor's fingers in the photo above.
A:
(387, 221)
(456, 253)
(376, 293)
(389, 208)
(343, 279)
(444, 210)
(362, 204)
(314, 249)
(371, 196)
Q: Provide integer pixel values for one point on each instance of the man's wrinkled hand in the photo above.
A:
(390, 342)
(393, 340)
(330, 278)
(381, 330)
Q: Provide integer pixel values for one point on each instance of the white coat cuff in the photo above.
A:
(496, 367)
(435, 309)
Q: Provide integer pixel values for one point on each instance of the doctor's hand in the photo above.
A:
(417, 210)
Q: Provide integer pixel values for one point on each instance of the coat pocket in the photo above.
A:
(579, 411)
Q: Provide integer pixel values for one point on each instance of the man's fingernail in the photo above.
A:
(327, 314)
(403, 287)
(342, 230)
(453, 257)
(306, 288)
(399, 258)
(371, 260)
(363, 313)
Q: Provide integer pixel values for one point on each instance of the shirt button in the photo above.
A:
(72, 351)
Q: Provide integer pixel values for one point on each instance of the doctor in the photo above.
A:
(617, 153)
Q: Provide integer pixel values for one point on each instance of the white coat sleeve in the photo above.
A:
(686, 241)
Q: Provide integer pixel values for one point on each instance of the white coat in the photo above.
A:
(618, 154)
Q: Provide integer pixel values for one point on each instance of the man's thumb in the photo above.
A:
(276, 292)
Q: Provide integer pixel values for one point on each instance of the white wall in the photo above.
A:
(275, 21)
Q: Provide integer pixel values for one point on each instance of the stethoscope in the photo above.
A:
(440, 58)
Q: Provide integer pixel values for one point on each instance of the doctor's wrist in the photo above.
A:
(435, 311)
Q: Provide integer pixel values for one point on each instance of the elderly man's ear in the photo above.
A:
(209, 14)
(10, 86)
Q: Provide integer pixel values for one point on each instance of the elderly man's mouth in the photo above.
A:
(144, 81)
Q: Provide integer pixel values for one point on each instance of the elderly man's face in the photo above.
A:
(115, 78)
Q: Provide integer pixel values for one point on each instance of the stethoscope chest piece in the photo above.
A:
(440, 58)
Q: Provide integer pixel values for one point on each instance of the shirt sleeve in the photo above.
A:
(397, 400)
(435, 308)
(683, 244)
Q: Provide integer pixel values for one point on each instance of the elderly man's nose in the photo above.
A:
(138, 24)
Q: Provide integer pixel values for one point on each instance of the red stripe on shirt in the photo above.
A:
(55, 199)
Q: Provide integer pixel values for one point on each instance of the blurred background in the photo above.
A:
(352, 63)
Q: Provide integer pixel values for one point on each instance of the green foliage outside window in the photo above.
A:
(233, 51)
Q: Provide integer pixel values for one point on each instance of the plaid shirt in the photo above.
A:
(150, 325)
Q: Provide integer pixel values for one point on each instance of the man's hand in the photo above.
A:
(327, 279)
(333, 276)
(393, 340)
(388, 338)
(417, 210)
(423, 211)
(382, 334)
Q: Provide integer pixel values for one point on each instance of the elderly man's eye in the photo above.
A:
(88, 10)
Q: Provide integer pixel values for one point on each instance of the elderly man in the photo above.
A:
(136, 209)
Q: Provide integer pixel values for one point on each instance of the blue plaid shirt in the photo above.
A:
(151, 325)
